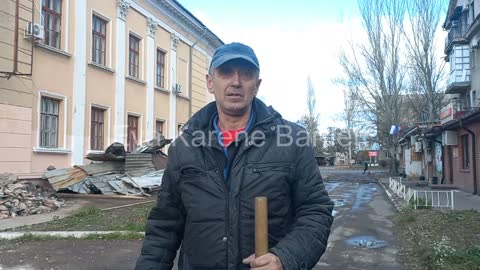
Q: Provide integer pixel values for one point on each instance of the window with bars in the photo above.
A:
(133, 59)
(52, 16)
(99, 31)
(160, 80)
(97, 129)
(465, 152)
(132, 133)
(49, 116)
(159, 128)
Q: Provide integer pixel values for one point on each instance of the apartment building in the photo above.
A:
(76, 76)
(460, 119)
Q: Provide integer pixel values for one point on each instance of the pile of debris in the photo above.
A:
(21, 199)
(115, 171)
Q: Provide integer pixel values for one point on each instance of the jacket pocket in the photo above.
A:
(205, 245)
(191, 171)
(259, 168)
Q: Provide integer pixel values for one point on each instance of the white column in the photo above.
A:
(151, 57)
(122, 9)
(172, 130)
(79, 83)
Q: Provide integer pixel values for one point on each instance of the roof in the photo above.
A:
(428, 130)
(469, 118)
(452, 9)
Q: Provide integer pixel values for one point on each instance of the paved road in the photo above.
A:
(362, 210)
(362, 235)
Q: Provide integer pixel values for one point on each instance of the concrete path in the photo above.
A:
(363, 234)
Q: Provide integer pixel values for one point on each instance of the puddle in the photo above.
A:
(339, 202)
(366, 242)
(364, 195)
(331, 186)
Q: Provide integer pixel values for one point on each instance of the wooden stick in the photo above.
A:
(126, 205)
(261, 226)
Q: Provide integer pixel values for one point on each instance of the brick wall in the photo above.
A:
(463, 178)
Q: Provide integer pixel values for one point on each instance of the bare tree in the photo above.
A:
(311, 99)
(310, 120)
(426, 69)
(374, 71)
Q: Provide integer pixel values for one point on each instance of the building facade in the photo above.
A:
(101, 72)
(460, 119)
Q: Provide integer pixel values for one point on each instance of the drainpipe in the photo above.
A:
(474, 158)
(190, 72)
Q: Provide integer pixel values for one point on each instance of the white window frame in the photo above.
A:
(107, 123)
(178, 130)
(108, 43)
(140, 126)
(141, 52)
(64, 37)
(165, 67)
(63, 99)
(164, 127)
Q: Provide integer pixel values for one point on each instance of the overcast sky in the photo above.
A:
(293, 40)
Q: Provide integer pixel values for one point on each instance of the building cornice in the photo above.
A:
(187, 21)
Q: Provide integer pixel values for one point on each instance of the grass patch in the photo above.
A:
(133, 218)
(440, 240)
(421, 203)
(406, 218)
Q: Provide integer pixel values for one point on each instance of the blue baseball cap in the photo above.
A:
(231, 51)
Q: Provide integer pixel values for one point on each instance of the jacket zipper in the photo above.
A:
(220, 178)
(227, 192)
(241, 153)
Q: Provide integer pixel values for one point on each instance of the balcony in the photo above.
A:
(453, 111)
(459, 79)
(457, 32)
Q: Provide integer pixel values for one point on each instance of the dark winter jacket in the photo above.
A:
(214, 216)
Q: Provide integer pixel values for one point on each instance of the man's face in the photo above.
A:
(234, 84)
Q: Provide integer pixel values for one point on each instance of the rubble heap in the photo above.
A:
(115, 171)
(21, 199)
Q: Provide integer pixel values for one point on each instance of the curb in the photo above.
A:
(74, 234)
(390, 196)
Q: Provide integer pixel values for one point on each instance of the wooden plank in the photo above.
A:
(99, 196)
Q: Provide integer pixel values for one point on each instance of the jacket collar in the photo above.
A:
(203, 119)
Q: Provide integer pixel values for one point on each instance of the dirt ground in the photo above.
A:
(70, 255)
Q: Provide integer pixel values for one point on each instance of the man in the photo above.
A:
(365, 168)
(231, 151)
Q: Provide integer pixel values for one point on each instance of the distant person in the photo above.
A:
(365, 169)
(231, 151)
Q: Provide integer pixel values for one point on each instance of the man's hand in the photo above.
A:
(266, 262)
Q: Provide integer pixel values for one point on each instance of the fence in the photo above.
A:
(422, 198)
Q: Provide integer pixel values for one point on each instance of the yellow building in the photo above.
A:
(87, 73)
